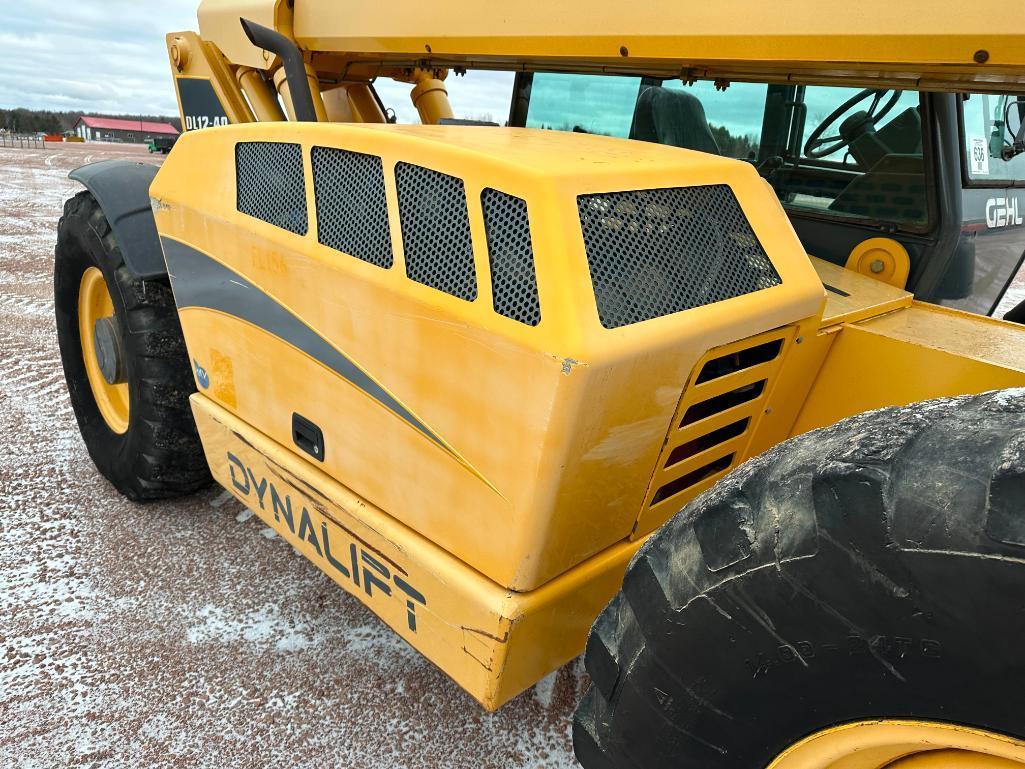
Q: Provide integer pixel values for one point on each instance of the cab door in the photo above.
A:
(993, 204)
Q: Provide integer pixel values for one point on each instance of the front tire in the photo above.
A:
(140, 432)
(870, 570)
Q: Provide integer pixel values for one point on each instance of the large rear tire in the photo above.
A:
(873, 569)
(139, 431)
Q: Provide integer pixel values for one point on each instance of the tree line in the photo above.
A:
(30, 121)
(734, 145)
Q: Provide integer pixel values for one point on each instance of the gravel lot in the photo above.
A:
(186, 634)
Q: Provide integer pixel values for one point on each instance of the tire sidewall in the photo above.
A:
(80, 247)
(870, 570)
(841, 665)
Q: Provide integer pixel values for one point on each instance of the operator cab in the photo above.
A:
(927, 170)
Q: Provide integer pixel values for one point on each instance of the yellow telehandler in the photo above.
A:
(651, 357)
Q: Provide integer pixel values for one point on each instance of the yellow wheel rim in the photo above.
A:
(94, 302)
(903, 745)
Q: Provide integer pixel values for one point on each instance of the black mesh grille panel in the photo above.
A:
(352, 210)
(436, 230)
(514, 284)
(271, 185)
(655, 252)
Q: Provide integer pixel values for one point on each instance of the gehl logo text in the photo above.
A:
(1003, 212)
(350, 558)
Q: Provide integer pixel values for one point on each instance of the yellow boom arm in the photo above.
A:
(920, 44)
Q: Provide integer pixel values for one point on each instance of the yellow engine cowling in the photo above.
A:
(521, 432)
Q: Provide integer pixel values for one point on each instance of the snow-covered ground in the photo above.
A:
(1015, 295)
(173, 635)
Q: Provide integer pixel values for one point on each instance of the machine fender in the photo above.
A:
(121, 187)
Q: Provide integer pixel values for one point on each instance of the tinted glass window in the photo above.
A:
(734, 114)
(820, 101)
(990, 124)
(848, 153)
(807, 152)
(874, 170)
(597, 104)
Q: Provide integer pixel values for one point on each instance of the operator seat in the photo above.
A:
(674, 118)
(893, 190)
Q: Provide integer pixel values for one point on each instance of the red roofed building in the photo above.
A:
(109, 129)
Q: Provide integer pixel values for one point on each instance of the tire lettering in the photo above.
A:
(893, 648)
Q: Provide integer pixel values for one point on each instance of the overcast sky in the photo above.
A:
(109, 56)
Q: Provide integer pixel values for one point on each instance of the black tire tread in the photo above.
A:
(866, 491)
(161, 455)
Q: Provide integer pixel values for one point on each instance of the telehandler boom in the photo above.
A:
(474, 372)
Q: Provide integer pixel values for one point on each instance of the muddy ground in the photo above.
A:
(185, 633)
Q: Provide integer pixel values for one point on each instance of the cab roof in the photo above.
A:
(912, 44)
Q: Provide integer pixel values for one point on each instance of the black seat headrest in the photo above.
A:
(672, 117)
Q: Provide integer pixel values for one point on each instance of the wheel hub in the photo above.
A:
(102, 350)
(109, 354)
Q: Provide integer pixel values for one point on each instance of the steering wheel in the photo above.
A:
(819, 146)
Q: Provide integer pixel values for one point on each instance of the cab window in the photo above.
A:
(596, 104)
(856, 153)
(989, 124)
(734, 114)
(836, 153)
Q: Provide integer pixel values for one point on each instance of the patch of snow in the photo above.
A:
(1008, 397)
(544, 689)
(264, 627)
(221, 498)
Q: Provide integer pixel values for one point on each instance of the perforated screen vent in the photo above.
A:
(514, 284)
(352, 210)
(436, 230)
(271, 185)
(656, 252)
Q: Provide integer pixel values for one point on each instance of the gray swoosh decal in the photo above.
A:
(199, 281)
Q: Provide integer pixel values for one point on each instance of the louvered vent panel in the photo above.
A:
(712, 428)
